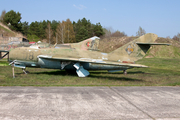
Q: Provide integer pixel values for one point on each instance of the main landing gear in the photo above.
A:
(125, 72)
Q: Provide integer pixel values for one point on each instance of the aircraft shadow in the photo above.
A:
(105, 72)
(116, 78)
(64, 73)
(137, 72)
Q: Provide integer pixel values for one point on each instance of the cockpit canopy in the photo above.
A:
(41, 45)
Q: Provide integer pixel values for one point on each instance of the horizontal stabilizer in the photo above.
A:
(152, 43)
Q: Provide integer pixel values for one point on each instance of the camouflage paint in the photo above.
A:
(83, 55)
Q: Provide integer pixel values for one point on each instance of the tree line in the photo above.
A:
(53, 31)
(61, 31)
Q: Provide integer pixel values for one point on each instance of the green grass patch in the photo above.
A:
(161, 72)
(4, 63)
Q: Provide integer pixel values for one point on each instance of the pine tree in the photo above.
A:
(13, 20)
(97, 29)
(82, 34)
(84, 29)
(25, 28)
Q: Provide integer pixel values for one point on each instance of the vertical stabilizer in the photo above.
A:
(88, 44)
(133, 51)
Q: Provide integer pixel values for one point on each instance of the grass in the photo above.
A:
(161, 72)
(6, 31)
(4, 62)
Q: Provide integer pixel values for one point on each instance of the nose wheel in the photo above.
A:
(24, 70)
(13, 65)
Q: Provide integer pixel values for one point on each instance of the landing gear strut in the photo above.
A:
(13, 63)
(23, 69)
(125, 72)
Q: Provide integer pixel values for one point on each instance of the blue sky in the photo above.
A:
(161, 17)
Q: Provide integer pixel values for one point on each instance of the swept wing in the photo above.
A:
(90, 60)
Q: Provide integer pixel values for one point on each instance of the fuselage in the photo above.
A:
(29, 57)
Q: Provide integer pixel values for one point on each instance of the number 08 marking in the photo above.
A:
(31, 56)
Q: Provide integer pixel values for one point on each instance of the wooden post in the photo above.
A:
(13, 70)
(0, 54)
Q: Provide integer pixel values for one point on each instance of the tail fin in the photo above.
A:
(133, 50)
(88, 44)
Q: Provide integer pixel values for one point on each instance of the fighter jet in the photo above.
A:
(83, 56)
(11, 45)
